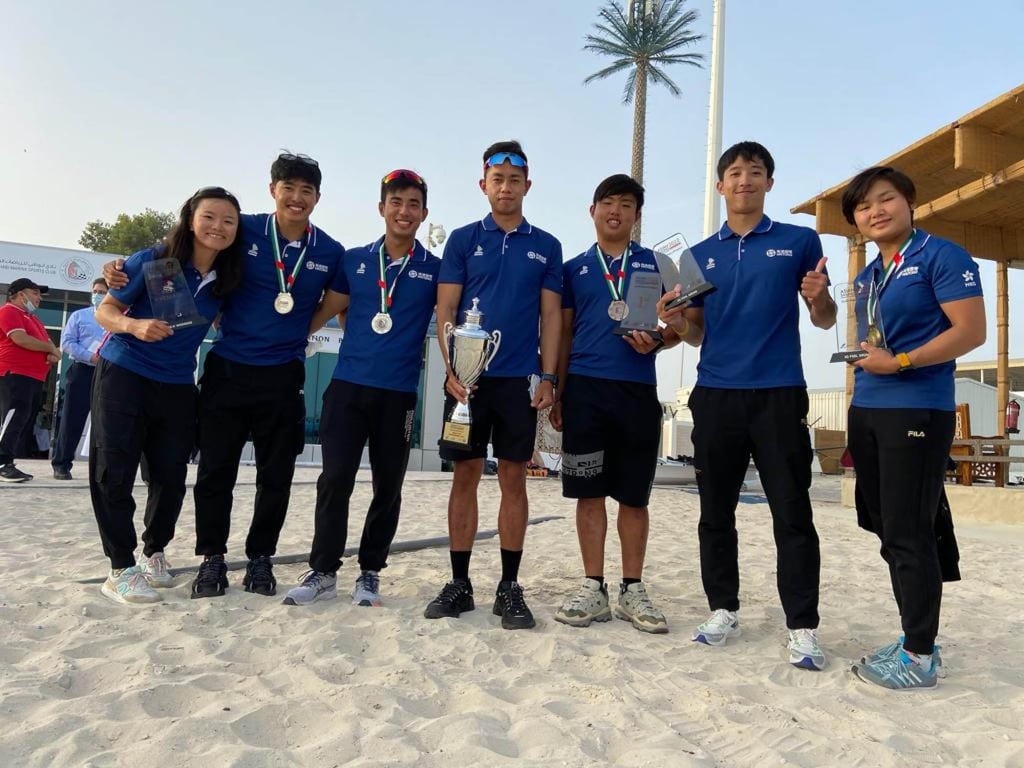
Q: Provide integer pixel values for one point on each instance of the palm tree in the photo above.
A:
(643, 38)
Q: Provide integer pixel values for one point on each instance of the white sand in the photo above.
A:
(246, 681)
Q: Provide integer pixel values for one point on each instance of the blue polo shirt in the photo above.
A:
(251, 330)
(171, 360)
(933, 272)
(506, 271)
(596, 351)
(390, 360)
(752, 322)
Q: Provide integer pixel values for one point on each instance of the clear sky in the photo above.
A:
(113, 106)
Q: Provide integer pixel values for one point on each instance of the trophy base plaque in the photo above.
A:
(849, 356)
(179, 324)
(690, 293)
(455, 434)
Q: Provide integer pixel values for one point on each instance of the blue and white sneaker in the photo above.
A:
(889, 651)
(804, 651)
(313, 586)
(367, 590)
(900, 673)
(719, 627)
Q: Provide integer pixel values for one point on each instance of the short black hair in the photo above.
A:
(620, 184)
(100, 281)
(291, 166)
(511, 146)
(403, 180)
(749, 151)
(860, 185)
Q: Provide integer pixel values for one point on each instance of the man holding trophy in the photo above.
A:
(609, 407)
(385, 294)
(500, 275)
(751, 397)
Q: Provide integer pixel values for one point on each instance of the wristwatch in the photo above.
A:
(552, 377)
(904, 360)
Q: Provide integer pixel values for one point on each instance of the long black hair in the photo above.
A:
(178, 243)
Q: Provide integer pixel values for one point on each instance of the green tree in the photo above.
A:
(642, 37)
(127, 234)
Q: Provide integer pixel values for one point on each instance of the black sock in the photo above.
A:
(626, 582)
(460, 564)
(510, 564)
(598, 579)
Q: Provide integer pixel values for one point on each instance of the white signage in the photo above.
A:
(58, 268)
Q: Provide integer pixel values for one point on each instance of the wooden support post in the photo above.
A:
(857, 256)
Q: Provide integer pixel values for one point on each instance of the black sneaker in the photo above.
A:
(456, 597)
(212, 579)
(259, 576)
(11, 474)
(61, 474)
(510, 604)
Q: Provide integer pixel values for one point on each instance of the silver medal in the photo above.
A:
(381, 323)
(618, 310)
(284, 303)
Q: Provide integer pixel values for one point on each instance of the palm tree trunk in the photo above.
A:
(639, 131)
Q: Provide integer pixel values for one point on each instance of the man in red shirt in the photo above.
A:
(25, 356)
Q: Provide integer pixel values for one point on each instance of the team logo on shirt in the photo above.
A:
(710, 264)
(254, 250)
(479, 251)
(420, 275)
(771, 253)
(317, 267)
(362, 268)
(584, 270)
(969, 281)
(537, 257)
(640, 264)
(907, 271)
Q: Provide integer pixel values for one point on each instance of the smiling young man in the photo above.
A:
(253, 378)
(515, 270)
(609, 410)
(385, 294)
(751, 397)
(26, 353)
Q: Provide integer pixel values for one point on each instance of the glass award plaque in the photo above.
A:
(692, 282)
(169, 295)
(867, 321)
(642, 297)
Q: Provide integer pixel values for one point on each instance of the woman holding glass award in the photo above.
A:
(144, 393)
(924, 310)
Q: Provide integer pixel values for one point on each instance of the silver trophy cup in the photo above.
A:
(470, 351)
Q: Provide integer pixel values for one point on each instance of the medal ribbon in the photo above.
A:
(893, 267)
(279, 262)
(613, 289)
(385, 292)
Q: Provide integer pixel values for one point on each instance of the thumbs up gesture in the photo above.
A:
(814, 286)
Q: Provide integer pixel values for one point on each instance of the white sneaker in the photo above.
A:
(589, 604)
(636, 607)
(129, 587)
(804, 651)
(313, 586)
(721, 625)
(156, 570)
(367, 590)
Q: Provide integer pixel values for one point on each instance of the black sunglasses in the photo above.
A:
(289, 157)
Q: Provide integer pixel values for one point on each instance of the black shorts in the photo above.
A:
(611, 439)
(502, 414)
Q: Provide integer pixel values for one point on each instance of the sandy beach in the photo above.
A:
(246, 681)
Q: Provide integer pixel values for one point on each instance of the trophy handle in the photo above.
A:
(495, 343)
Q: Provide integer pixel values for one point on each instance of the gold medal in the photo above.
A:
(874, 336)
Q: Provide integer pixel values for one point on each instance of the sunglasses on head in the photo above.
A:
(289, 157)
(215, 193)
(402, 173)
(500, 157)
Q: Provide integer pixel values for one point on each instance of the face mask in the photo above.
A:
(97, 299)
(30, 307)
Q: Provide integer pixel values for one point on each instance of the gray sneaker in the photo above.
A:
(589, 604)
(367, 590)
(892, 650)
(313, 586)
(156, 569)
(635, 606)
